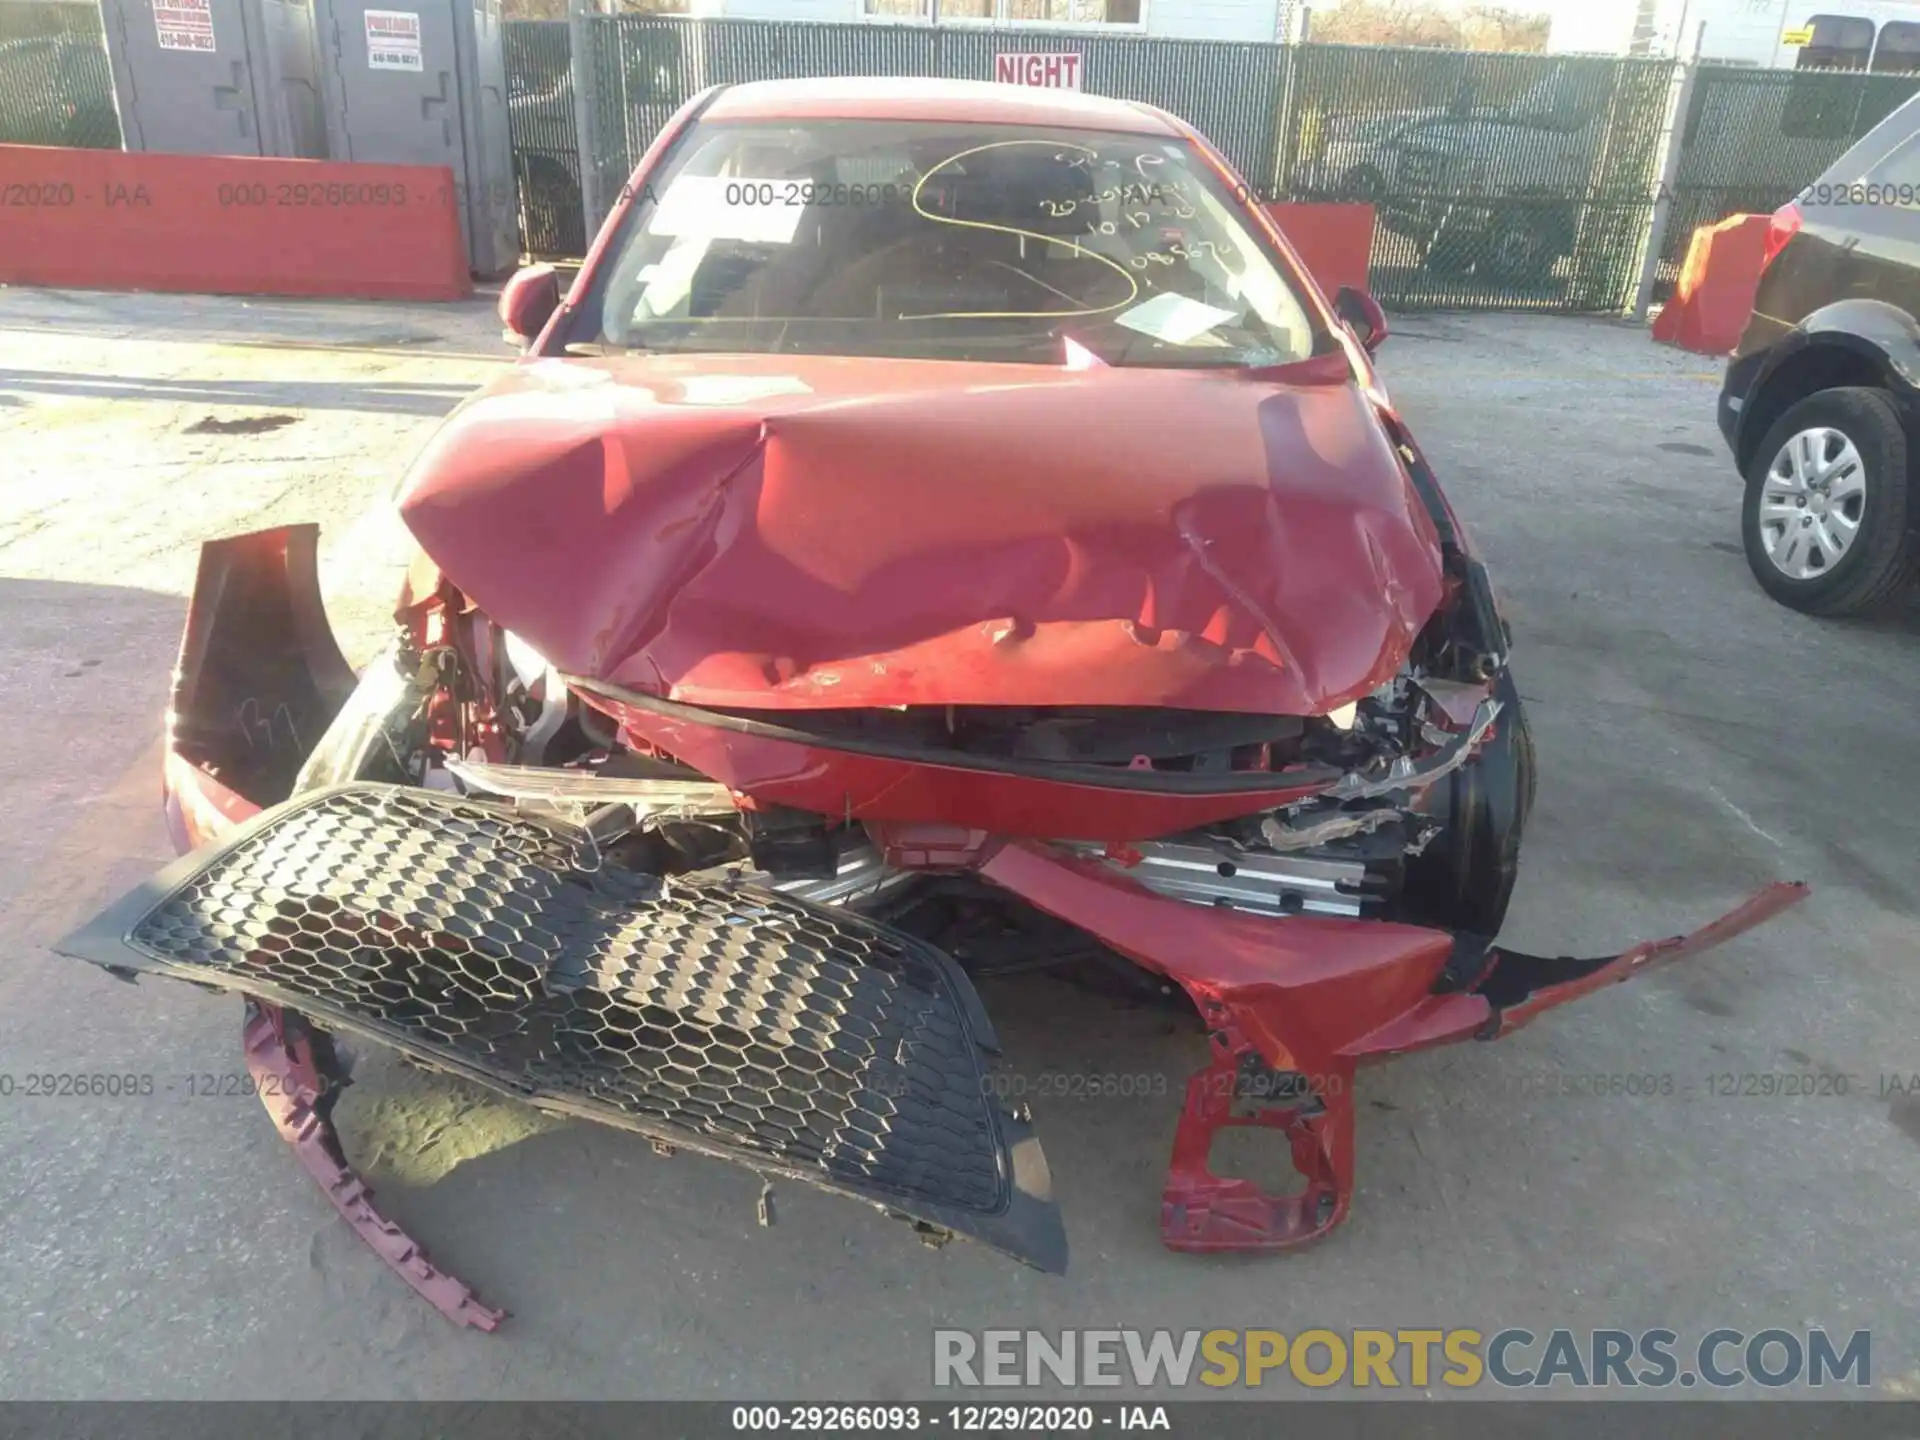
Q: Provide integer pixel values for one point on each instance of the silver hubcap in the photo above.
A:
(1812, 503)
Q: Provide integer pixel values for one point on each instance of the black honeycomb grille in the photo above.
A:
(739, 1016)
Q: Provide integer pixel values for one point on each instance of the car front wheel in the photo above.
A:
(1828, 505)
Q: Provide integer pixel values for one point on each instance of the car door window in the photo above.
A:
(1874, 190)
(1898, 52)
(1840, 42)
(1898, 171)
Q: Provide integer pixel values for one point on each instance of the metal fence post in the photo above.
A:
(585, 111)
(1280, 179)
(1672, 151)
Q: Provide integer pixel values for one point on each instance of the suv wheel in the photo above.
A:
(1524, 245)
(1828, 505)
(1363, 182)
(1452, 251)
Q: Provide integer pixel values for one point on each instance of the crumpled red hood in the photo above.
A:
(799, 532)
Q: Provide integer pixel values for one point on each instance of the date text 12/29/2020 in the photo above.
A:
(123, 1085)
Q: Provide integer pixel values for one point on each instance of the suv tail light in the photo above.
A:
(1786, 225)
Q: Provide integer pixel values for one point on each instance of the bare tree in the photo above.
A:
(1423, 22)
(1494, 27)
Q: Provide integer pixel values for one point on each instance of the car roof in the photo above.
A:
(1874, 147)
(919, 97)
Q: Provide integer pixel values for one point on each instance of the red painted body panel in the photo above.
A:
(789, 532)
(1304, 997)
(871, 787)
(1307, 988)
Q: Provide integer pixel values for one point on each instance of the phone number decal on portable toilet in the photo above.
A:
(184, 24)
(393, 40)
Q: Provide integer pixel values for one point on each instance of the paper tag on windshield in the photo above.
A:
(1173, 318)
(709, 207)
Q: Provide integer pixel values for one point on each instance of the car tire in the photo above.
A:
(1453, 252)
(550, 209)
(1524, 246)
(1876, 569)
(1363, 183)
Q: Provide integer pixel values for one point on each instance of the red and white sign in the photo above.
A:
(184, 24)
(393, 40)
(1049, 72)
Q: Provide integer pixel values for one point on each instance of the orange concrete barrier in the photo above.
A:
(228, 225)
(1710, 305)
(1334, 241)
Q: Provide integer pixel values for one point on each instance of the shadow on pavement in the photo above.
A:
(376, 397)
(238, 320)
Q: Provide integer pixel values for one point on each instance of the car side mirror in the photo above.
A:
(1363, 316)
(527, 302)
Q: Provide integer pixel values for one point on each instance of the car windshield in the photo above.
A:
(929, 240)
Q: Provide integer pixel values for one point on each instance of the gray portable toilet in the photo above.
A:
(216, 77)
(427, 86)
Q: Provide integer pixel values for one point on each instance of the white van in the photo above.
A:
(1883, 37)
(1849, 33)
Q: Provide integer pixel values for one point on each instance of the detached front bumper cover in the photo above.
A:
(1294, 1006)
(801, 1041)
(738, 1022)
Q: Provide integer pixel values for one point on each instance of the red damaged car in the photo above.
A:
(943, 527)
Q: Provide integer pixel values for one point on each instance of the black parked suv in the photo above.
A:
(1822, 399)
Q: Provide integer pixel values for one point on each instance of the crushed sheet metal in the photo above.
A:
(1313, 833)
(1287, 1000)
(1263, 551)
(1408, 774)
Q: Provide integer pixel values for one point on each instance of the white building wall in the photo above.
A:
(1735, 29)
(1185, 19)
(779, 9)
(1213, 19)
(1600, 27)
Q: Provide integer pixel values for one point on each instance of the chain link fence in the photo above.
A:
(1752, 139)
(1509, 181)
(1504, 181)
(546, 137)
(646, 66)
(56, 87)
